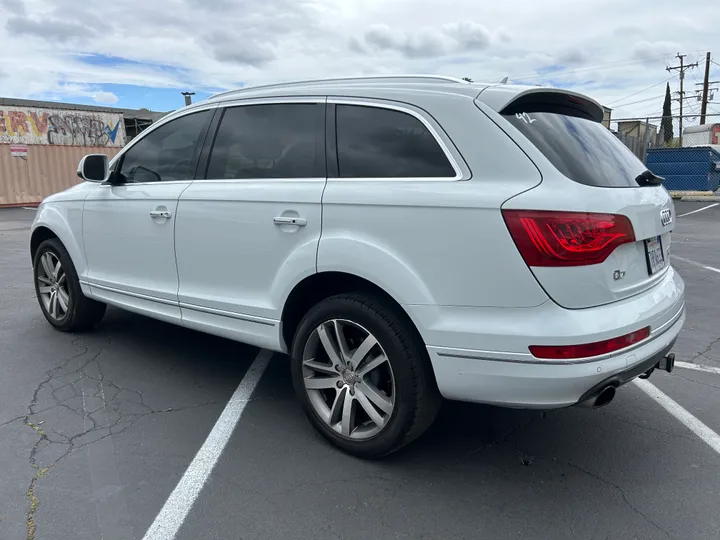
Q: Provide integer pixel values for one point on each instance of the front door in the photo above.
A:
(128, 224)
(246, 233)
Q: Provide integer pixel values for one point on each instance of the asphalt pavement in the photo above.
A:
(97, 429)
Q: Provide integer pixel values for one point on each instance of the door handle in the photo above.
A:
(287, 220)
(160, 214)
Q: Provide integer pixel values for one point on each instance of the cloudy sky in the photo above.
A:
(142, 53)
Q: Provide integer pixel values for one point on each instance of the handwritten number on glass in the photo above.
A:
(525, 117)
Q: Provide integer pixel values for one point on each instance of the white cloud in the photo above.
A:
(574, 56)
(649, 50)
(15, 7)
(427, 42)
(105, 97)
(608, 49)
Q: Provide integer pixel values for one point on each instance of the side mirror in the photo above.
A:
(94, 168)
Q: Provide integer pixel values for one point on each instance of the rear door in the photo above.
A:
(602, 237)
(248, 229)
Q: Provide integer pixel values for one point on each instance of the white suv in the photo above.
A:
(402, 238)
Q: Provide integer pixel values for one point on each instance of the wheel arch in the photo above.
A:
(316, 287)
(38, 236)
(52, 223)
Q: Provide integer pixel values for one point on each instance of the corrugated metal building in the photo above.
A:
(41, 143)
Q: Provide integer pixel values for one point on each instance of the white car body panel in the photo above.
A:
(128, 250)
(585, 286)
(536, 385)
(62, 214)
(236, 266)
(434, 241)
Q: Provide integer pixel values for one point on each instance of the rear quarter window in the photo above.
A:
(374, 142)
(581, 149)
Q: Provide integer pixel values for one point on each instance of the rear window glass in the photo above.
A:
(583, 150)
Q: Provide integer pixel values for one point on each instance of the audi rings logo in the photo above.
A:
(666, 217)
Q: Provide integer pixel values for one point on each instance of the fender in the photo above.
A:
(375, 263)
(64, 219)
(300, 264)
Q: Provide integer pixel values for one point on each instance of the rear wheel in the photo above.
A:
(363, 375)
(58, 290)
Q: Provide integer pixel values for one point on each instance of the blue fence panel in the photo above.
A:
(686, 169)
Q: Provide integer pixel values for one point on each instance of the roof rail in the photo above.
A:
(350, 80)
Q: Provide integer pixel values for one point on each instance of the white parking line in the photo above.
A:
(29, 208)
(708, 436)
(176, 508)
(698, 367)
(700, 265)
(699, 210)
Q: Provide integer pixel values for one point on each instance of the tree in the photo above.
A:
(468, 79)
(667, 122)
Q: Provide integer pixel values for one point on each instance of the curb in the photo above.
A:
(695, 196)
(19, 205)
(698, 198)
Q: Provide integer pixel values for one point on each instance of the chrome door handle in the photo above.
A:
(160, 214)
(287, 220)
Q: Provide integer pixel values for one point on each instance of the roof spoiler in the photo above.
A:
(540, 99)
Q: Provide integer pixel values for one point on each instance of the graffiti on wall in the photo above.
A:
(60, 127)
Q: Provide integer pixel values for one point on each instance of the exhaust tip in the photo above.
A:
(604, 397)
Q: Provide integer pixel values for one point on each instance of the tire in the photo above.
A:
(81, 312)
(405, 377)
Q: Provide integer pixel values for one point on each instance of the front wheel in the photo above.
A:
(363, 375)
(58, 290)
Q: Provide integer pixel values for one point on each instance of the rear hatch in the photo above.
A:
(597, 229)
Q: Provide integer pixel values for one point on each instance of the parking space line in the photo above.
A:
(698, 367)
(173, 513)
(708, 436)
(699, 210)
(706, 267)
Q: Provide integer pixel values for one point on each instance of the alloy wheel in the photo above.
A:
(348, 379)
(52, 286)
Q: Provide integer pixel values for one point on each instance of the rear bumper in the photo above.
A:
(512, 377)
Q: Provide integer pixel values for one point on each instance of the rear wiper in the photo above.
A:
(648, 178)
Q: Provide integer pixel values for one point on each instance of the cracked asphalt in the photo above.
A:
(96, 430)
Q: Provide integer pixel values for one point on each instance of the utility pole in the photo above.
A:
(706, 86)
(682, 68)
(706, 80)
(188, 98)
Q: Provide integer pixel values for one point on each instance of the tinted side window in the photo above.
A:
(283, 140)
(382, 143)
(168, 152)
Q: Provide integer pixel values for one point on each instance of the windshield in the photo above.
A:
(583, 150)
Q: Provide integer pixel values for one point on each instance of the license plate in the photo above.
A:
(655, 257)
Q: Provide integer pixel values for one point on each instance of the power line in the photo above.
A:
(643, 90)
(650, 99)
(639, 101)
(590, 68)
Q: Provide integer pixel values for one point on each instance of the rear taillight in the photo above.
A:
(586, 350)
(547, 238)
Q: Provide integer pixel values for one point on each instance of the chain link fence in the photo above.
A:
(683, 150)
